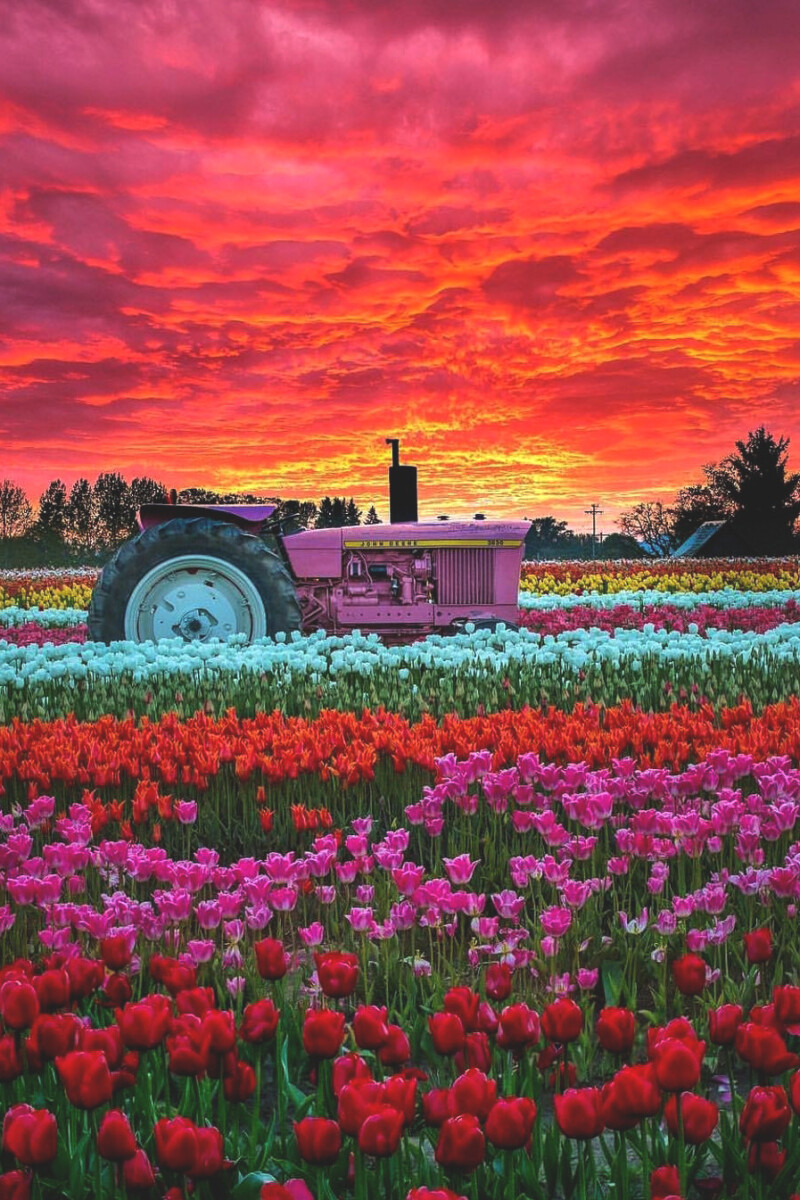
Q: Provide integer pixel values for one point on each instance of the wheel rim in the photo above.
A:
(195, 597)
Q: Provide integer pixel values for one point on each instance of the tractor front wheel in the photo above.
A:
(196, 579)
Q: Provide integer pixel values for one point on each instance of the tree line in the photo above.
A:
(86, 523)
(752, 489)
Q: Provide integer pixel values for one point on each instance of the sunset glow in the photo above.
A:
(553, 247)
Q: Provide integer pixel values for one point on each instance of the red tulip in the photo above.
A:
(437, 1106)
(766, 1114)
(498, 981)
(787, 1004)
(355, 1102)
(144, 1025)
(447, 1032)
(370, 1027)
(197, 1001)
(423, 1193)
(85, 976)
(519, 1027)
(346, 1068)
(107, 1038)
(293, 1189)
(766, 1158)
(396, 1050)
(510, 1123)
(86, 1078)
(381, 1132)
(473, 1092)
(634, 1092)
(665, 1181)
(10, 1059)
(16, 1185)
(700, 1117)
(677, 1064)
(562, 1021)
(52, 1034)
(271, 958)
(758, 945)
(115, 1138)
(689, 974)
(477, 1052)
(117, 989)
(616, 1029)
(464, 1003)
(259, 1022)
(323, 1032)
(764, 1049)
(137, 1172)
(116, 951)
(318, 1140)
(723, 1023)
(461, 1143)
(239, 1080)
(53, 989)
(579, 1112)
(19, 1004)
(30, 1134)
(337, 973)
(401, 1092)
(183, 1146)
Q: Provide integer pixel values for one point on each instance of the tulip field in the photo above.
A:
(505, 914)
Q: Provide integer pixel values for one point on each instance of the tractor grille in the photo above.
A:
(465, 576)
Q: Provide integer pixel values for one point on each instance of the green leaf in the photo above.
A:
(249, 1188)
(612, 982)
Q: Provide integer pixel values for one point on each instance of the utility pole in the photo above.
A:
(594, 512)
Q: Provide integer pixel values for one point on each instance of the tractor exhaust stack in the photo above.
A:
(402, 488)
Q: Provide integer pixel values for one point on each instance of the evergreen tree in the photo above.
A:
(353, 514)
(52, 519)
(80, 522)
(372, 517)
(339, 512)
(325, 514)
(754, 488)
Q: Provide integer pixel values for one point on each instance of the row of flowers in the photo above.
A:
(469, 1082)
(668, 575)
(474, 670)
(239, 760)
(700, 618)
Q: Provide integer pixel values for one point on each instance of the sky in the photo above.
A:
(551, 245)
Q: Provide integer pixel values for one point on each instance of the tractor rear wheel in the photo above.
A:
(196, 579)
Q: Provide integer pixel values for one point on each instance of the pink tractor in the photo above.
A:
(206, 572)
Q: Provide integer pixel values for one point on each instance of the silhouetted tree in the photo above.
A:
(145, 490)
(352, 513)
(52, 520)
(693, 505)
(620, 545)
(546, 537)
(80, 523)
(754, 488)
(16, 514)
(372, 517)
(649, 523)
(324, 514)
(114, 508)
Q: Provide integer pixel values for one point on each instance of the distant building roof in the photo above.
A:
(699, 539)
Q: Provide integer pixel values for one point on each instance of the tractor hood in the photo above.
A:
(317, 553)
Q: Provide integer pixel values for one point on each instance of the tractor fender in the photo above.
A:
(250, 517)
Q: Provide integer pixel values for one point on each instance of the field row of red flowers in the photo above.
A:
(559, 620)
